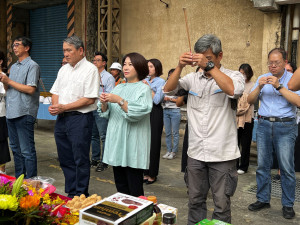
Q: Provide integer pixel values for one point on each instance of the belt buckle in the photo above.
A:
(272, 119)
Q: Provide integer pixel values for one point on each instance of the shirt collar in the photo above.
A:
(24, 61)
(80, 62)
(102, 72)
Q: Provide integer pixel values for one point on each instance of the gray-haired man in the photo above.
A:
(74, 93)
(213, 148)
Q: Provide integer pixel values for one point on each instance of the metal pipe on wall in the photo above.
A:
(295, 34)
(287, 27)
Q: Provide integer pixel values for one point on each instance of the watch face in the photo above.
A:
(209, 66)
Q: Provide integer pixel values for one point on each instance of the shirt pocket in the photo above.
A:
(195, 98)
(217, 97)
(77, 89)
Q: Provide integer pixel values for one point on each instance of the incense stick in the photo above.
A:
(187, 28)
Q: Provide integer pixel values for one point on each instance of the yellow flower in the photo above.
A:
(9, 202)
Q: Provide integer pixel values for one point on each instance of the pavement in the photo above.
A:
(170, 188)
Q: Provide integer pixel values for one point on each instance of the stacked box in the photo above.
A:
(118, 209)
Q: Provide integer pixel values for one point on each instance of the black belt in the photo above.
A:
(73, 113)
(276, 119)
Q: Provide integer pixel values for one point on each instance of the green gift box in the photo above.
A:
(213, 222)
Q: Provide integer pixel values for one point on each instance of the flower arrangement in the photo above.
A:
(21, 203)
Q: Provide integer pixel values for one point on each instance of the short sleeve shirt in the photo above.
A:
(18, 104)
(272, 103)
(74, 83)
(211, 119)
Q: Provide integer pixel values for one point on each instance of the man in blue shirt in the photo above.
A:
(22, 105)
(276, 131)
(107, 83)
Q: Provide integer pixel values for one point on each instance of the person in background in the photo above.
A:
(172, 117)
(4, 150)
(290, 67)
(64, 61)
(276, 132)
(107, 83)
(245, 120)
(22, 103)
(74, 103)
(116, 70)
(128, 108)
(156, 118)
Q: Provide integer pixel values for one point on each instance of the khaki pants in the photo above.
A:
(221, 177)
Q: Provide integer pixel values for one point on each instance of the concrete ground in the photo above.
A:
(170, 188)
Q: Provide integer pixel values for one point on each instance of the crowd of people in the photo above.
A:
(118, 119)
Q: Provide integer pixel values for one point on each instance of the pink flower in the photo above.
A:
(4, 180)
(30, 192)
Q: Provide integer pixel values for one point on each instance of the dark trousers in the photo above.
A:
(221, 178)
(185, 147)
(129, 180)
(157, 123)
(244, 140)
(73, 138)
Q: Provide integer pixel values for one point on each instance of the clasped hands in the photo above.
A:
(268, 80)
(4, 78)
(56, 109)
(108, 97)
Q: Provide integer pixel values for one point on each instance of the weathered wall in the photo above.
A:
(3, 26)
(155, 31)
(271, 37)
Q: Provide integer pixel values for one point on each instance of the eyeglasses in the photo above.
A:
(274, 63)
(16, 45)
(64, 63)
(97, 60)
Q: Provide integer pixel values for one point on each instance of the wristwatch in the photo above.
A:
(210, 65)
(121, 103)
(279, 87)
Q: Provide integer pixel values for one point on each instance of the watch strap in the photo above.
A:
(279, 87)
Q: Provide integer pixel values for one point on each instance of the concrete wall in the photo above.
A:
(155, 31)
(3, 26)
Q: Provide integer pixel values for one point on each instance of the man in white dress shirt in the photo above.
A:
(74, 99)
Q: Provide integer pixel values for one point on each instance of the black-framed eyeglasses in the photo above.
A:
(16, 45)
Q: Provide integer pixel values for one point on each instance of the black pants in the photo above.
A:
(129, 180)
(185, 147)
(73, 139)
(244, 140)
(157, 123)
(4, 150)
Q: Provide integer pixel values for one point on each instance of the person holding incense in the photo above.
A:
(213, 147)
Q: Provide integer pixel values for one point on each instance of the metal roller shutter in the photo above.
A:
(48, 29)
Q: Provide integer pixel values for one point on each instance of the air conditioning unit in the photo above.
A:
(266, 5)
